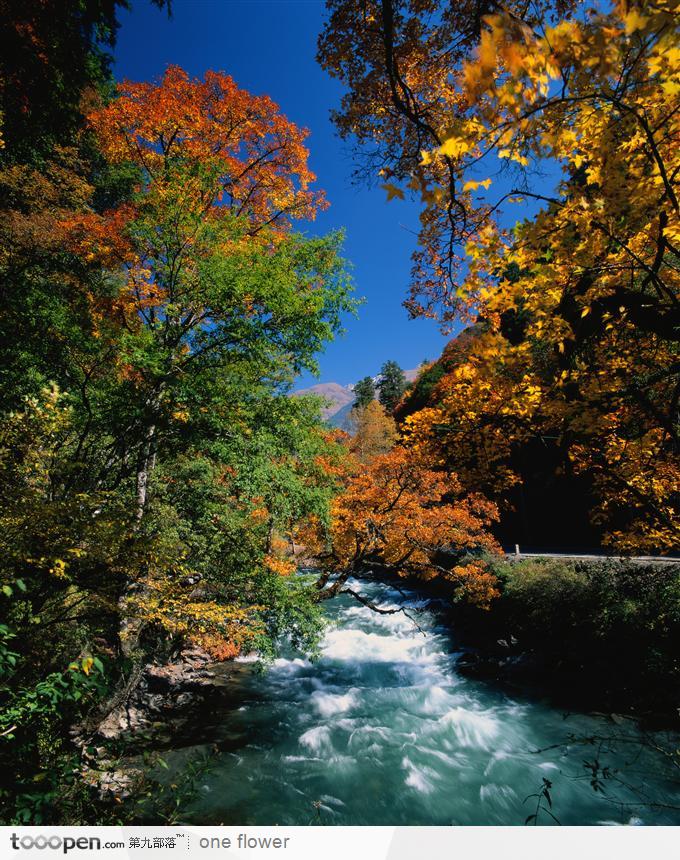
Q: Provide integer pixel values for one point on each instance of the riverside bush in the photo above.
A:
(617, 623)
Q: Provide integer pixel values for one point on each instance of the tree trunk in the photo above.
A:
(130, 626)
(147, 461)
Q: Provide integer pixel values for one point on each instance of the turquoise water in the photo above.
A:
(383, 730)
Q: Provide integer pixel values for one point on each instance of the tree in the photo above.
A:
(46, 316)
(156, 304)
(148, 498)
(400, 515)
(364, 392)
(55, 65)
(54, 51)
(375, 432)
(401, 62)
(215, 293)
(65, 546)
(577, 303)
(391, 385)
(237, 153)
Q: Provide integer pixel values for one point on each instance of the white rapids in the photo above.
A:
(383, 730)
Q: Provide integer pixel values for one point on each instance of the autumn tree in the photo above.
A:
(578, 303)
(64, 546)
(397, 60)
(148, 495)
(374, 432)
(218, 302)
(364, 392)
(401, 516)
(391, 385)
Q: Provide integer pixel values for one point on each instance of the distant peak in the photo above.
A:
(341, 396)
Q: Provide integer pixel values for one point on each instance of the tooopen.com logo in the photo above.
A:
(59, 843)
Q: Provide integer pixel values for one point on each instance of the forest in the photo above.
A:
(164, 495)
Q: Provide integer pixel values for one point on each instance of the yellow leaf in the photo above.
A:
(487, 51)
(671, 88)
(473, 185)
(392, 191)
(454, 147)
(635, 21)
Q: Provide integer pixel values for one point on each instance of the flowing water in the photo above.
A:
(383, 730)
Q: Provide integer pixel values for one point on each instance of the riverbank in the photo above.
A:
(591, 635)
(383, 728)
(580, 664)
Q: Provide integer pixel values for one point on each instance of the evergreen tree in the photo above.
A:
(364, 392)
(391, 386)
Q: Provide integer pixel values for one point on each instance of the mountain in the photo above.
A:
(341, 398)
(412, 375)
(341, 418)
(337, 395)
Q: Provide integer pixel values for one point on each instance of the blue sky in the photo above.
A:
(269, 46)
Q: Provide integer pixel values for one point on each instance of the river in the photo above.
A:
(382, 729)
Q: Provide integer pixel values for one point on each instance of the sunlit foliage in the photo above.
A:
(402, 516)
(577, 305)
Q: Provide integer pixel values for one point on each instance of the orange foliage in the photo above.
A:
(577, 305)
(401, 515)
(255, 156)
(165, 604)
(218, 648)
(35, 201)
(282, 566)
